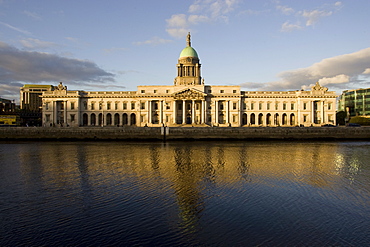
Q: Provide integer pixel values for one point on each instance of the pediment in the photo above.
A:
(189, 93)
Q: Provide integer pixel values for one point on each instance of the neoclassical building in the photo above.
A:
(188, 102)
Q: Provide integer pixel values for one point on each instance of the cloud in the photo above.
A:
(37, 44)
(19, 67)
(153, 41)
(32, 15)
(201, 11)
(314, 16)
(285, 9)
(113, 50)
(338, 72)
(15, 28)
(288, 27)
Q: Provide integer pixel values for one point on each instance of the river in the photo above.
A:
(263, 193)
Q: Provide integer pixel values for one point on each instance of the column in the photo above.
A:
(216, 111)
(65, 113)
(227, 111)
(161, 111)
(55, 112)
(174, 112)
(322, 112)
(192, 112)
(183, 112)
(202, 113)
(149, 112)
(312, 112)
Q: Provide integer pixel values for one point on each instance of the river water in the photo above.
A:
(185, 193)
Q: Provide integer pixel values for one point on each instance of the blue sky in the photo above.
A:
(117, 45)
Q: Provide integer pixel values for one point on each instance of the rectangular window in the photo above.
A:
(142, 91)
(222, 91)
(92, 106)
(329, 106)
(168, 106)
(85, 105)
(108, 106)
(47, 117)
(304, 106)
(72, 105)
(155, 105)
(72, 117)
(234, 106)
(132, 105)
(234, 91)
(305, 118)
(124, 106)
(221, 106)
(276, 106)
(284, 106)
(116, 106)
(234, 118)
(155, 91)
(100, 106)
(260, 106)
(244, 106)
(292, 106)
(167, 91)
(268, 106)
(142, 107)
(252, 106)
(46, 106)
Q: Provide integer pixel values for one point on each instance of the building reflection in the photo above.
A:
(184, 169)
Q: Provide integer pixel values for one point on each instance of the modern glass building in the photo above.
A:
(355, 102)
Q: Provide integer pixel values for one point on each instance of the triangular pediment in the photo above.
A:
(189, 93)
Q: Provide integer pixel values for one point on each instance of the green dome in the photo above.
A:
(188, 52)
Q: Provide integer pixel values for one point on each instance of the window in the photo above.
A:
(329, 106)
(167, 91)
(72, 117)
(47, 117)
(284, 106)
(142, 106)
(93, 106)
(116, 106)
(234, 119)
(305, 118)
(244, 106)
(268, 105)
(277, 106)
(304, 106)
(252, 106)
(168, 106)
(108, 105)
(221, 106)
(72, 105)
(260, 106)
(155, 105)
(132, 105)
(155, 91)
(234, 91)
(234, 106)
(46, 106)
(222, 91)
(124, 106)
(85, 105)
(100, 106)
(142, 91)
(292, 106)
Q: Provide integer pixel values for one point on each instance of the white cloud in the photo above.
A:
(32, 15)
(367, 71)
(153, 41)
(338, 79)
(15, 28)
(313, 16)
(113, 50)
(37, 44)
(288, 27)
(285, 9)
(199, 12)
(339, 72)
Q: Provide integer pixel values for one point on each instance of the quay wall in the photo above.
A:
(185, 133)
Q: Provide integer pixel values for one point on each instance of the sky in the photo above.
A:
(117, 45)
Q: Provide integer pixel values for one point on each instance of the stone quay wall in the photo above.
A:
(185, 133)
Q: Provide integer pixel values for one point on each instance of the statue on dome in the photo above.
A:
(188, 39)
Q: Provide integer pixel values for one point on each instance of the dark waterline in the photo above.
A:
(185, 194)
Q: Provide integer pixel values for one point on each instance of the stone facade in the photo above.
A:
(189, 102)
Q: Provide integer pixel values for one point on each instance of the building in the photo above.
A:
(30, 97)
(355, 102)
(188, 102)
(8, 115)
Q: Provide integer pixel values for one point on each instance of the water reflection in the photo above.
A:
(185, 188)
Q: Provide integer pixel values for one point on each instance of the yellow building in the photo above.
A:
(188, 102)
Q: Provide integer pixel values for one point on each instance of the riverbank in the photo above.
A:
(185, 133)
